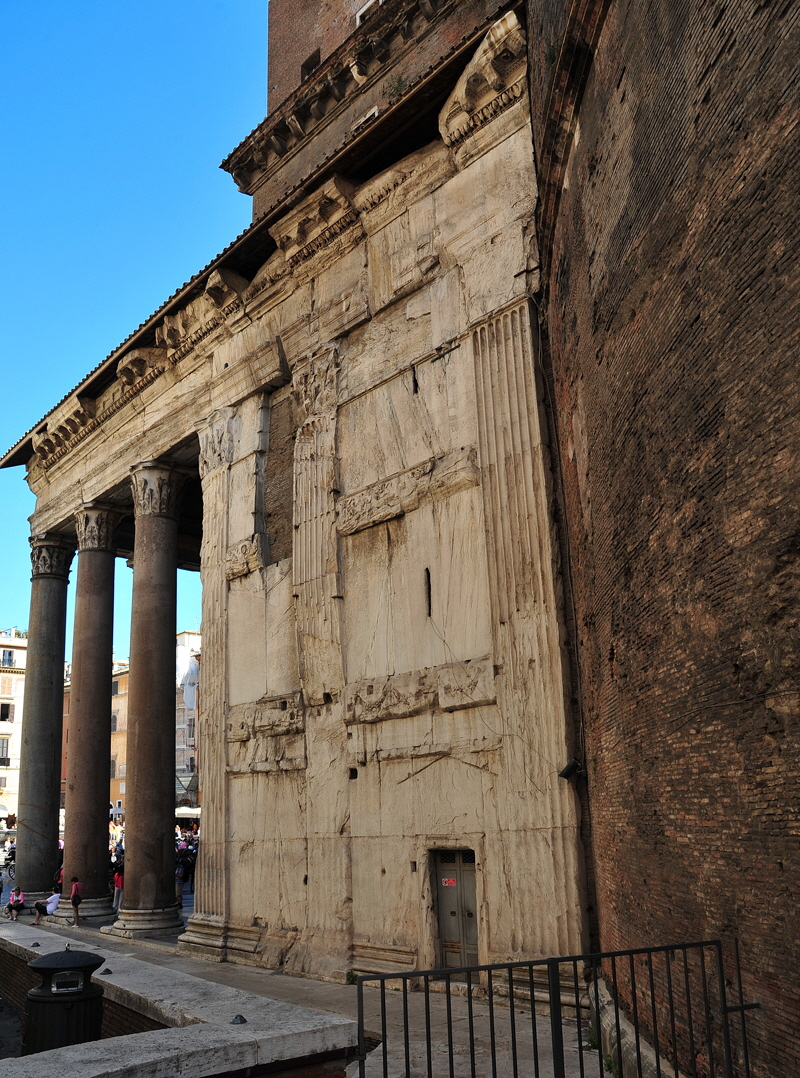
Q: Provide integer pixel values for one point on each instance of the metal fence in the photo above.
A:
(647, 1013)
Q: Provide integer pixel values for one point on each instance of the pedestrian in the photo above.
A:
(75, 899)
(179, 879)
(47, 908)
(119, 886)
(16, 902)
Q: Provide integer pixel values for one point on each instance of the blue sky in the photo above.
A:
(114, 119)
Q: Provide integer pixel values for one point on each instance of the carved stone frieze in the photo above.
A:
(141, 363)
(156, 489)
(272, 282)
(436, 477)
(315, 387)
(390, 35)
(96, 527)
(247, 556)
(269, 716)
(387, 195)
(217, 440)
(63, 425)
(266, 735)
(488, 112)
(324, 220)
(51, 554)
(450, 687)
(492, 82)
(225, 288)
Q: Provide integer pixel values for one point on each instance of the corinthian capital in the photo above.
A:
(96, 526)
(51, 554)
(156, 489)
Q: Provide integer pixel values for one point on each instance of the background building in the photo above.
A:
(186, 753)
(187, 778)
(13, 656)
(119, 740)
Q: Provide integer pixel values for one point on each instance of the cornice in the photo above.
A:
(218, 301)
(395, 27)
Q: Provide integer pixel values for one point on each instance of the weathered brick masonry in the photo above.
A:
(671, 329)
(296, 30)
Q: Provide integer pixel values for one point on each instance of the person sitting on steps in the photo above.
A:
(47, 908)
(16, 902)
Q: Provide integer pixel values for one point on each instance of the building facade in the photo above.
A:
(482, 438)
(187, 677)
(119, 741)
(13, 656)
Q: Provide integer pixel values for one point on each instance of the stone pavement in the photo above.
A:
(342, 1000)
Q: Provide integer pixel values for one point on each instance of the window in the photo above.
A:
(115, 688)
(8, 658)
(4, 758)
(122, 787)
(368, 9)
(311, 64)
(113, 767)
(114, 723)
(3, 781)
(6, 712)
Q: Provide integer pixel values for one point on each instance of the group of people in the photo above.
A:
(186, 846)
(16, 903)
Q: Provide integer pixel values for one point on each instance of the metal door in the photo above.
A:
(458, 919)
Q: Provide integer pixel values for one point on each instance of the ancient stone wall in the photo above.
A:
(671, 313)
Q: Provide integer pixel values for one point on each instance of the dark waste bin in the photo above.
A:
(67, 1007)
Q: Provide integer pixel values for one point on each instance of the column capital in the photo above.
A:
(51, 554)
(96, 526)
(157, 487)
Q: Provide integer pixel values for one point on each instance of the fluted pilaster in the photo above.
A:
(207, 926)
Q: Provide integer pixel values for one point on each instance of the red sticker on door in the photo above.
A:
(448, 883)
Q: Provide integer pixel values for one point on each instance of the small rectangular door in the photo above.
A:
(458, 917)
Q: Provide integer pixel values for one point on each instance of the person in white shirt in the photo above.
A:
(49, 907)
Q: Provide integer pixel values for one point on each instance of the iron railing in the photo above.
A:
(657, 1012)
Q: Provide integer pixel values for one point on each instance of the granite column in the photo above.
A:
(89, 745)
(42, 712)
(149, 904)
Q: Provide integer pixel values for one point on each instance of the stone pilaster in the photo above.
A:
(206, 931)
(89, 744)
(149, 904)
(315, 562)
(524, 581)
(40, 764)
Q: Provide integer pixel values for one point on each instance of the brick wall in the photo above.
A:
(16, 980)
(278, 487)
(671, 327)
(297, 28)
(119, 1021)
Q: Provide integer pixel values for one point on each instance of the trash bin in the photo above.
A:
(66, 1008)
